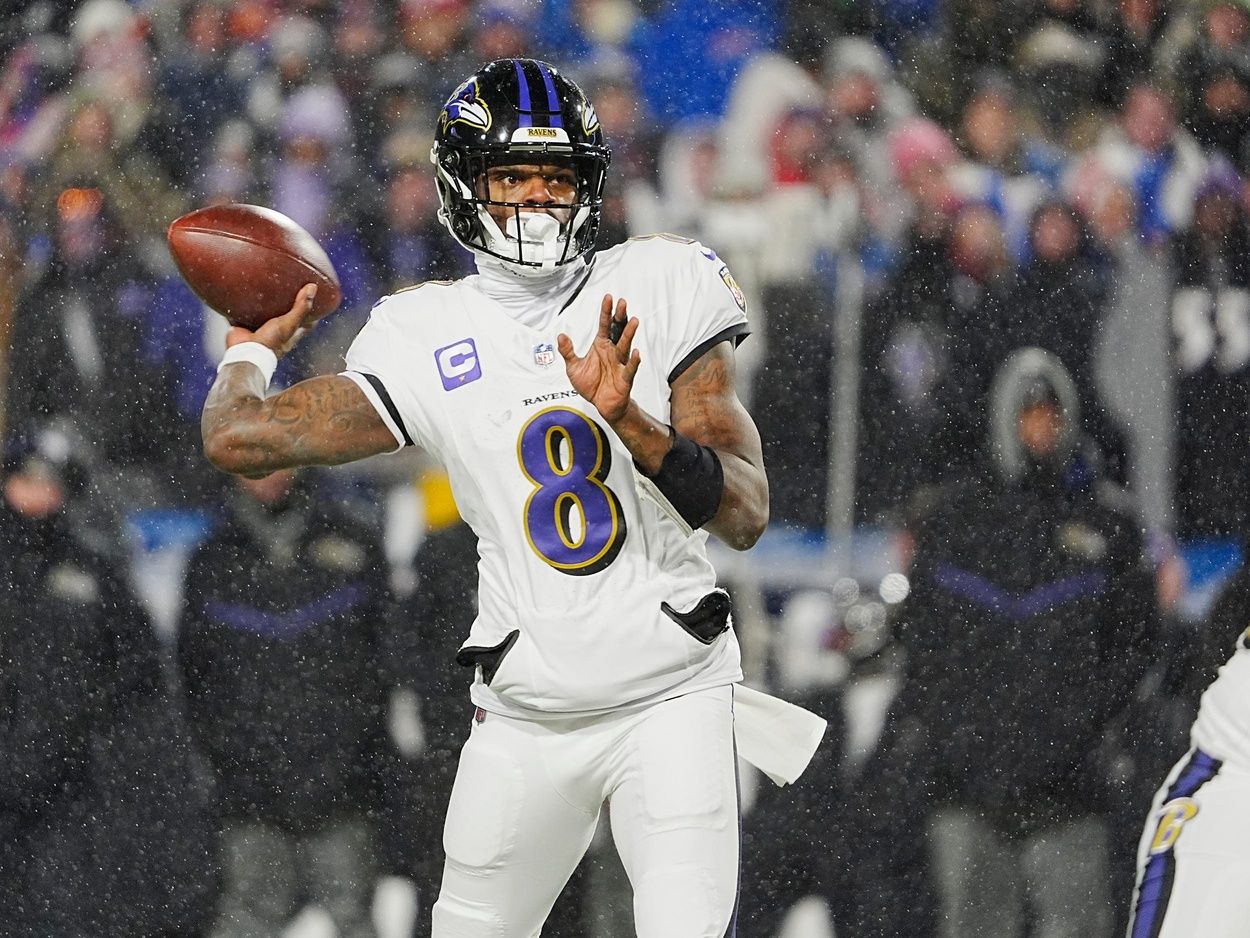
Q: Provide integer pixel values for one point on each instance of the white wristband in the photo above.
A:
(262, 356)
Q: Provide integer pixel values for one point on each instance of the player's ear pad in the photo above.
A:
(707, 620)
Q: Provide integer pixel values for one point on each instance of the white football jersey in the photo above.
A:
(1222, 729)
(576, 553)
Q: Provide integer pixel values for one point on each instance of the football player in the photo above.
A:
(1193, 862)
(592, 451)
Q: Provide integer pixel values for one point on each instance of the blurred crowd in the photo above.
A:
(997, 260)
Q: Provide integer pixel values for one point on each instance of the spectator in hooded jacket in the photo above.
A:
(280, 647)
(77, 349)
(873, 116)
(1058, 302)
(105, 824)
(316, 180)
(1026, 631)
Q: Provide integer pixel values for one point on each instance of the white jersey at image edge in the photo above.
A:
(573, 553)
(1222, 729)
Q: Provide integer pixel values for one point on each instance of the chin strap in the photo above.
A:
(539, 236)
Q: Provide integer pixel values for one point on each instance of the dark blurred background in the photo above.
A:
(995, 256)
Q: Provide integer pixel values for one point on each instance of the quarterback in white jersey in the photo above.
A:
(578, 560)
(1194, 859)
(591, 451)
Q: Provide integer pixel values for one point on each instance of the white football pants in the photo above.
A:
(527, 798)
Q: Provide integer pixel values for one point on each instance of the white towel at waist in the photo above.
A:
(776, 737)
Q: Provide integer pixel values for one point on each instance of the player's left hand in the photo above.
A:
(605, 374)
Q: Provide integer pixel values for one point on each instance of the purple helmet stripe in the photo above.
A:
(553, 100)
(523, 95)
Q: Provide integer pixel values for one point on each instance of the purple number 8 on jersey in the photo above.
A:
(566, 456)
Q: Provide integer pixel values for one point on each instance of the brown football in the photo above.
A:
(248, 262)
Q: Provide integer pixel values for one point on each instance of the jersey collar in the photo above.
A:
(532, 301)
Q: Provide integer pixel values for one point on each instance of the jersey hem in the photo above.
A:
(481, 695)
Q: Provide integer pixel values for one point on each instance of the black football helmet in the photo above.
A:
(512, 112)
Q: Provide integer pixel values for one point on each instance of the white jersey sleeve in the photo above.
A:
(376, 361)
(715, 309)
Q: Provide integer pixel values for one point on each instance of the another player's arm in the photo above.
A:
(704, 408)
(324, 421)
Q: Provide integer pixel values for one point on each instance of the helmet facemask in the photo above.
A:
(532, 239)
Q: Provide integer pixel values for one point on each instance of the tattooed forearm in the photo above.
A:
(323, 421)
(705, 403)
(707, 410)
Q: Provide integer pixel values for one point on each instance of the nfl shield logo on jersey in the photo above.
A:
(544, 354)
